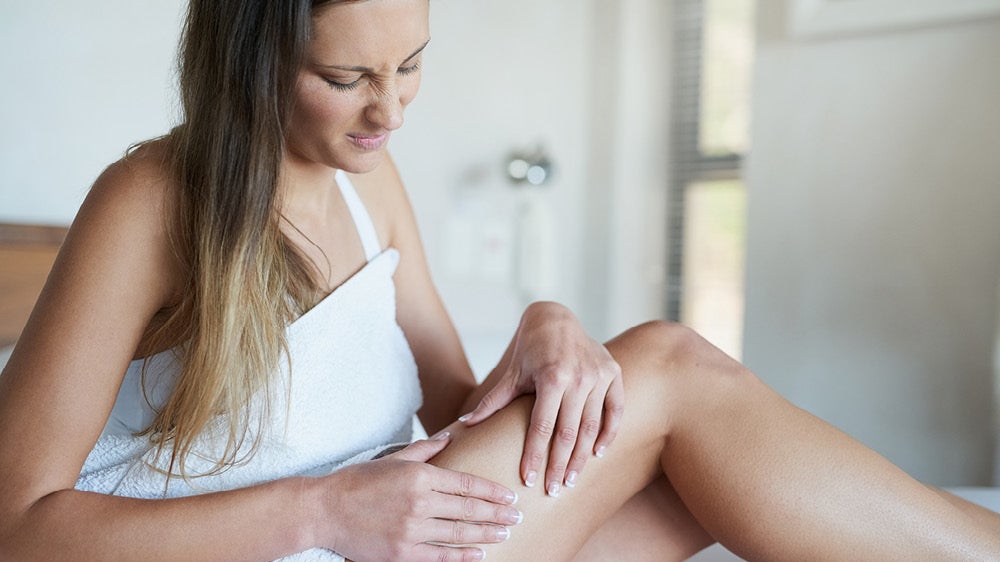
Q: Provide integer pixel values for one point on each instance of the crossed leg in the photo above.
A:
(768, 480)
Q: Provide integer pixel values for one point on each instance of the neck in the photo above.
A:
(306, 187)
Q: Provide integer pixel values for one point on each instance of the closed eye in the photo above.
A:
(404, 70)
(345, 87)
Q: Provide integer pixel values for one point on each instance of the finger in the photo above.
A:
(564, 440)
(498, 397)
(425, 449)
(434, 553)
(463, 533)
(540, 428)
(469, 486)
(475, 510)
(590, 427)
(614, 407)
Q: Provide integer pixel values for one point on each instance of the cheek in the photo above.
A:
(319, 108)
(409, 90)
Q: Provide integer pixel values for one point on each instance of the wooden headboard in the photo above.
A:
(26, 256)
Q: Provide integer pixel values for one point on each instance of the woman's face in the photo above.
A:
(362, 68)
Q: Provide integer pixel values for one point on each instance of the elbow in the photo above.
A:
(18, 532)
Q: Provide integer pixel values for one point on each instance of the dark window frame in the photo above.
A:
(689, 164)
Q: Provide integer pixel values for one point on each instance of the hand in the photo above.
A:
(579, 395)
(395, 507)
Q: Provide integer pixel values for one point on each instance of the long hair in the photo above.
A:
(238, 63)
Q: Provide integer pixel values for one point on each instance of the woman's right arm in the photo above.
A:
(114, 272)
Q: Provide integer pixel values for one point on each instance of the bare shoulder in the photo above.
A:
(124, 226)
(135, 188)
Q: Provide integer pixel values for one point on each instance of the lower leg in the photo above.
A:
(653, 526)
(767, 479)
(772, 482)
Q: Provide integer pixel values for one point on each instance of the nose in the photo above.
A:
(386, 109)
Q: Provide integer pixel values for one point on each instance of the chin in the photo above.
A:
(361, 164)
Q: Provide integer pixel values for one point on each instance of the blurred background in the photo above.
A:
(814, 185)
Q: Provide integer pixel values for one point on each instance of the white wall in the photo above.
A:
(81, 81)
(575, 76)
(498, 76)
(874, 236)
(84, 83)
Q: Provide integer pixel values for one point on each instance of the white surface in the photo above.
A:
(987, 497)
(5, 355)
(829, 17)
(499, 75)
(82, 83)
(873, 247)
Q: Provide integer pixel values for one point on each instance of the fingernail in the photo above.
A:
(479, 555)
(515, 516)
(554, 489)
(466, 417)
(503, 534)
(441, 436)
(510, 497)
(571, 479)
(529, 479)
(600, 451)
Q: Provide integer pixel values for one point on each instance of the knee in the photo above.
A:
(669, 342)
(672, 355)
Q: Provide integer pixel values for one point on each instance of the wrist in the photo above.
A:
(314, 498)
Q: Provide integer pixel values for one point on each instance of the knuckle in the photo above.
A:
(468, 509)
(615, 369)
(495, 493)
(490, 401)
(417, 505)
(417, 475)
(490, 533)
(535, 458)
(458, 533)
(567, 435)
(553, 374)
(616, 410)
(465, 484)
(543, 428)
(590, 427)
(577, 461)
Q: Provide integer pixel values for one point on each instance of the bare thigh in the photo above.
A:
(557, 528)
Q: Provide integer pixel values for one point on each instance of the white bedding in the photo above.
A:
(4, 355)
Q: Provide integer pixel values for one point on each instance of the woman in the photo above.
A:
(214, 370)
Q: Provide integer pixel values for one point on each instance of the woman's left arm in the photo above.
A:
(578, 385)
(445, 375)
(579, 397)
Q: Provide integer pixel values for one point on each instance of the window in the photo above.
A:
(713, 58)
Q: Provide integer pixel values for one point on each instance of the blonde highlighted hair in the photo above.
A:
(238, 61)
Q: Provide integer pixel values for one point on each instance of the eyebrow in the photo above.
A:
(367, 69)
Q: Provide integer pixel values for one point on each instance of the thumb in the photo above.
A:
(425, 449)
(498, 397)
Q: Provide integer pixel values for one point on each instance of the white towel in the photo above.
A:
(354, 392)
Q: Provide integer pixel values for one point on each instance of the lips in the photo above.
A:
(369, 142)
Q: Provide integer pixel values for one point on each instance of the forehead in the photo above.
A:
(370, 32)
